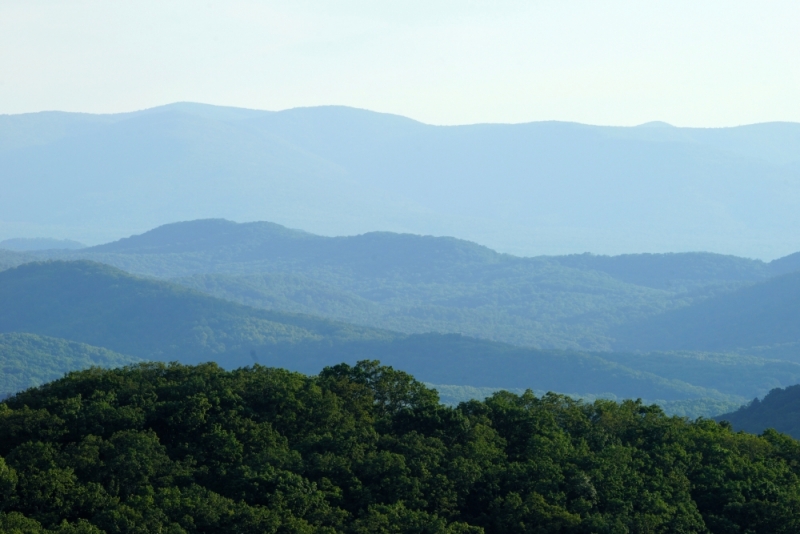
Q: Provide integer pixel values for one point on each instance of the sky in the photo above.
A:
(702, 63)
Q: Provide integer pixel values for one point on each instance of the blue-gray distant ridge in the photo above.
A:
(528, 189)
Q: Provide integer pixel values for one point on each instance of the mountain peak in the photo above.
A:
(201, 234)
(656, 124)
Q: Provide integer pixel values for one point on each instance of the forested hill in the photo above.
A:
(102, 306)
(779, 410)
(218, 245)
(368, 449)
(417, 284)
(762, 315)
(528, 189)
(27, 360)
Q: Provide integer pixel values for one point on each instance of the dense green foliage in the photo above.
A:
(779, 409)
(367, 449)
(691, 408)
(418, 284)
(27, 360)
(761, 315)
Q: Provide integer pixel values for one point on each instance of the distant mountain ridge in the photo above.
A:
(417, 284)
(528, 189)
(762, 315)
(225, 241)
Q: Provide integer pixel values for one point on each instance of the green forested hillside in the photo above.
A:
(27, 360)
(779, 410)
(546, 306)
(760, 315)
(367, 449)
(102, 306)
(106, 307)
(417, 284)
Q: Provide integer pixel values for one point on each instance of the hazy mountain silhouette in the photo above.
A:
(219, 242)
(534, 188)
(762, 315)
(417, 284)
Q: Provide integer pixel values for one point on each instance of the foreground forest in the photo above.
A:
(368, 449)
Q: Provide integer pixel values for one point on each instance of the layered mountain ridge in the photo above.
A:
(528, 189)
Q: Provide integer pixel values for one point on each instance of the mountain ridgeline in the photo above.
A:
(221, 243)
(765, 315)
(419, 284)
(528, 189)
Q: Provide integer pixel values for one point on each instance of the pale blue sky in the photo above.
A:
(623, 62)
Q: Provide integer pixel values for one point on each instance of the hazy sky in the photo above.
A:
(688, 62)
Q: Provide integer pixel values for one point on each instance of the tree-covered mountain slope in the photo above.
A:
(368, 449)
(537, 188)
(228, 247)
(102, 306)
(27, 360)
(416, 284)
(779, 410)
(762, 315)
